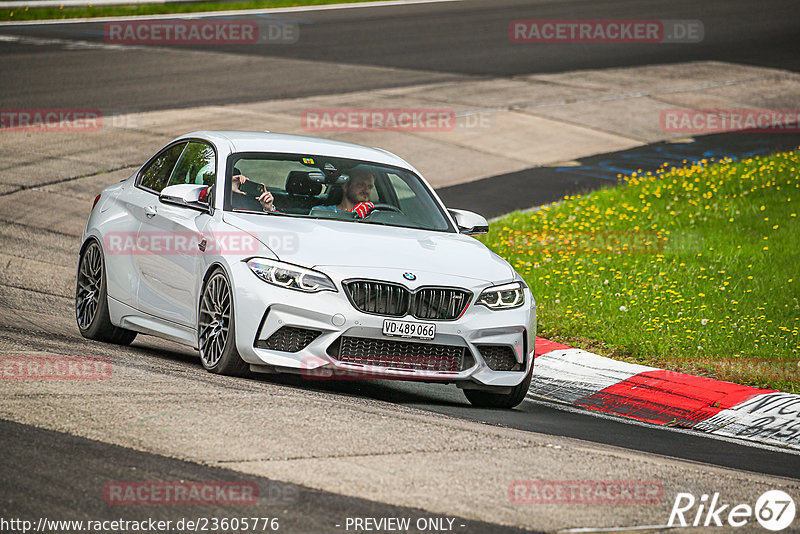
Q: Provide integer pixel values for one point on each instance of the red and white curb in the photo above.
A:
(652, 395)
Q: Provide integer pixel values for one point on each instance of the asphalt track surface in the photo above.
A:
(72, 473)
(69, 472)
(392, 47)
(385, 47)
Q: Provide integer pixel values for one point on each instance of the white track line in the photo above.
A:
(616, 529)
(203, 14)
(67, 44)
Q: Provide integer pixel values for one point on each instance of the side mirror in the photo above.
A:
(186, 195)
(469, 223)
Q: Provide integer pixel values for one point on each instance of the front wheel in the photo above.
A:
(91, 300)
(216, 328)
(487, 399)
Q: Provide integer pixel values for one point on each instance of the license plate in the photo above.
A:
(408, 329)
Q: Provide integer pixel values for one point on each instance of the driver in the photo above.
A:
(356, 192)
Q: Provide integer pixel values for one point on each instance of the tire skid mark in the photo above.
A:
(35, 230)
(39, 291)
(64, 180)
(515, 447)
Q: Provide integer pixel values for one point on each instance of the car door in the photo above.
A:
(169, 273)
(120, 248)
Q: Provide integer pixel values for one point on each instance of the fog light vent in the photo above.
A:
(289, 339)
(500, 357)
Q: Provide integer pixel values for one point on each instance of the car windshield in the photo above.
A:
(323, 187)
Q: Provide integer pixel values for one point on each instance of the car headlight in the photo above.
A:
(290, 276)
(503, 297)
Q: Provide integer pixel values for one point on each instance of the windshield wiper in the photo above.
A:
(364, 221)
(259, 212)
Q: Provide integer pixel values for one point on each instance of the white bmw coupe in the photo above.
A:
(280, 253)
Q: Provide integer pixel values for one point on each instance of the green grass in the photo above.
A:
(694, 269)
(52, 13)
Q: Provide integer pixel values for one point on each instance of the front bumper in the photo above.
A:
(262, 310)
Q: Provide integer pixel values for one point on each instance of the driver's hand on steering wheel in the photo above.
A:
(362, 209)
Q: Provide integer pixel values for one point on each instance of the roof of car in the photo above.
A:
(245, 141)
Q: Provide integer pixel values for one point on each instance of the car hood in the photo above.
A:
(331, 243)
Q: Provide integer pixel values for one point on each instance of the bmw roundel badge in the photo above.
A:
(409, 276)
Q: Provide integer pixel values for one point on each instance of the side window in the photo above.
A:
(404, 193)
(410, 201)
(197, 165)
(156, 175)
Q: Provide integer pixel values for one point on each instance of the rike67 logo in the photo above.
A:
(774, 510)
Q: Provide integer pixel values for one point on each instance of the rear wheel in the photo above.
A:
(91, 300)
(216, 328)
(487, 399)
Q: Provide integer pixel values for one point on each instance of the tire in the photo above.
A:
(91, 300)
(216, 328)
(487, 399)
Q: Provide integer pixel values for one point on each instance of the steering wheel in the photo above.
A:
(385, 207)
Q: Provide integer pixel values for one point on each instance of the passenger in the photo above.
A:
(265, 199)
